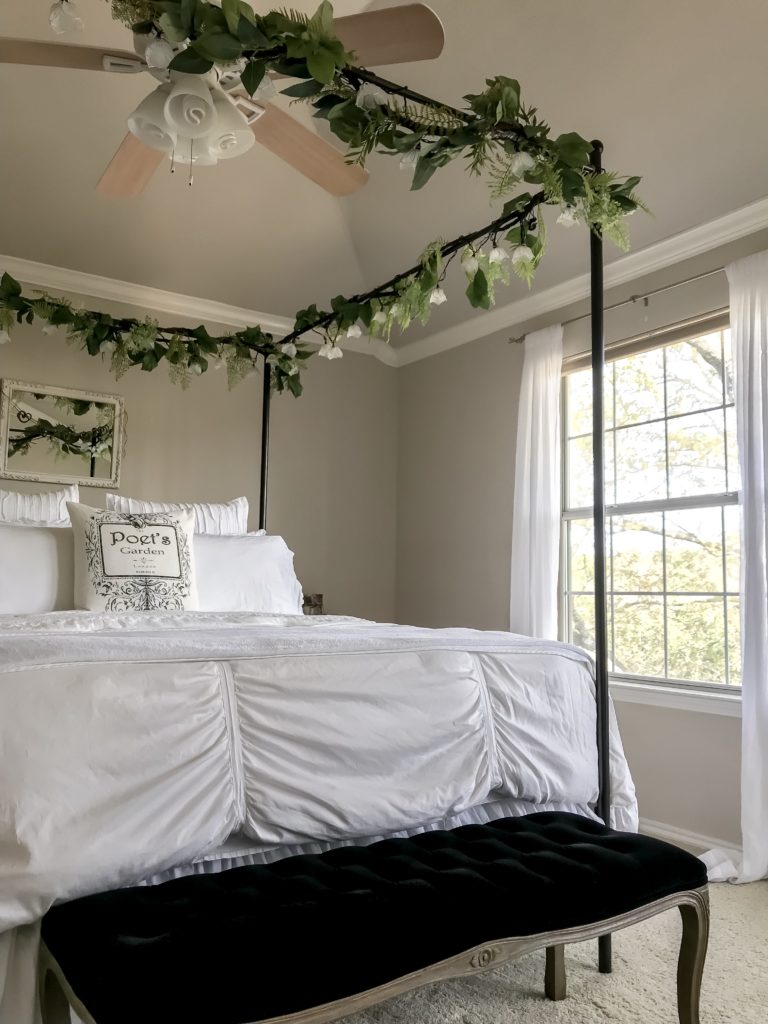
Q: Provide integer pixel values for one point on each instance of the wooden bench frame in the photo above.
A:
(56, 996)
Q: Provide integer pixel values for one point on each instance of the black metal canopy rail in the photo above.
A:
(598, 456)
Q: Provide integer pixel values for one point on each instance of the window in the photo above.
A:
(672, 516)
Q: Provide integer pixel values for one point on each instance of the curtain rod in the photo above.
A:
(644, 296)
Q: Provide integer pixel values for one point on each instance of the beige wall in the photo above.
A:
(686, 767)
(457, 419)
(332, 467)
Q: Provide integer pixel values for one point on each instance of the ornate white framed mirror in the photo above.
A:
(60, 435)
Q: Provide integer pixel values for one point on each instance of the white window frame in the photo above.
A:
(712, 698)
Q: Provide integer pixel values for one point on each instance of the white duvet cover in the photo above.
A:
(139, 746)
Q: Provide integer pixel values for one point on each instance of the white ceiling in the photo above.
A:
(677, 92)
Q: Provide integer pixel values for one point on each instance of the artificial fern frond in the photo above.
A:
(131, 12)
(435, 119)
(292, 15)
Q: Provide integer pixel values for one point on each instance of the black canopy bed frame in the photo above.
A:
(603, 805)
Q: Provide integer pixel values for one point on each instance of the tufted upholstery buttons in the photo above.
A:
(258, 942)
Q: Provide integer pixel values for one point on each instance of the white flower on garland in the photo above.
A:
(437, 296)
(469, 262)
(498, 255)
(354, 331)
(379, 317)
(521, 255)
(370, 96)
(569, 217)
(289, 349)
(520, 164)
(64, 17)
(293, 369)
(4, 337)
(49, 329)
(159, 54)
(409, 160)
(330, 351)
(196, 368)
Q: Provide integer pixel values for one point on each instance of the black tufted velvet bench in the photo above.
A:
(312, 938)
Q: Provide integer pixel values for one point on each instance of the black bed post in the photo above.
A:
(265, 398)
(598, 458)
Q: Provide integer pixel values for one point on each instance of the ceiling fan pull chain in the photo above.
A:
(191, 158)
(173, 160)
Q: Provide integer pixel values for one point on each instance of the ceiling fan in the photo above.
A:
(395, 35)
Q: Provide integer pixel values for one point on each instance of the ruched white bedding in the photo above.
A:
(139, 747)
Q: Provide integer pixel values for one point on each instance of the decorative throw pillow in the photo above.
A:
(139, 561)
(222, 518)
(49, 507)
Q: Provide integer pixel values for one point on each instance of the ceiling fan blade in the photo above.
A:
(395, 35)
(310, 154)
(130, 170)
(67, 55)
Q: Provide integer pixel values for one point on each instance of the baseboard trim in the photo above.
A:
(682, 837)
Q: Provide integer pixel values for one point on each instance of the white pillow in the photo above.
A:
(48, 507)
(36, 570)
(218, 518)
(140, 561)
(246, 574)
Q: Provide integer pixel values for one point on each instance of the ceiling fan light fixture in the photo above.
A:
(195, 151)
(189, 108)
(148, 122)
(232, 135)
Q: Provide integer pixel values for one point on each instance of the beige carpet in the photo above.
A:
(640, 991)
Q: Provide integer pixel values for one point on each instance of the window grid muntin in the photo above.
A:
(662, 505)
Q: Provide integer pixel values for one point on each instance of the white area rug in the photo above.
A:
(640, 991)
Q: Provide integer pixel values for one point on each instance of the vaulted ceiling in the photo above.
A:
(675, 90)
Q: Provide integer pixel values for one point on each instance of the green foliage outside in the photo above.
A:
(673, 573)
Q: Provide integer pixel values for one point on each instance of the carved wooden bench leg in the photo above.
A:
(690, 964)
(554, 973)
(53, 1003)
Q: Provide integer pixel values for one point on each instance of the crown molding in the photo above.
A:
(77, 282)
(675, 249)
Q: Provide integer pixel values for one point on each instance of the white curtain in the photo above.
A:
(748, 282)
(536, 509)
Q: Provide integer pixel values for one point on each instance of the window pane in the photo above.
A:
(696, 454)
(694, 374)
(579, 401)
(673, 576)
(696, 638)
(732, 547)
(581, 546)
(638, 553)
(639, 384)
(695, 550)
(639, 635)
(580, 476)
(734, 476)
(582, 614)
(734, 641)
(640, 463)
